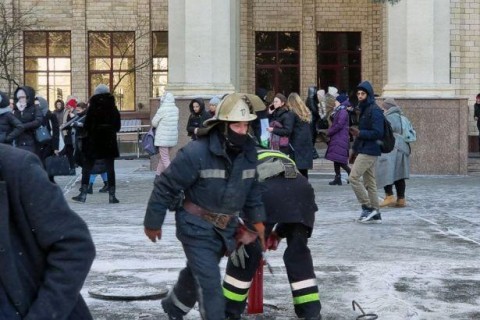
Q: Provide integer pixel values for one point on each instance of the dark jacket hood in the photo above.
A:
(200, 102)
(367, 87)
(30, 94)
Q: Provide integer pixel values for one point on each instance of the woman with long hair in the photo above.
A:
(301, 137)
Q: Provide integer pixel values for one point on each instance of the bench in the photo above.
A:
(130, 135)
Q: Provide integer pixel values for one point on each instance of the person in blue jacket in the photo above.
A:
(365, 151)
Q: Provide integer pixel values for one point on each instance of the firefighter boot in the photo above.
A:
(337, 181)
(83, 194)
(111, 195)
(104, 189)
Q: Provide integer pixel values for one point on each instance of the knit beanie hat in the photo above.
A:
(4, 101)
(215, 100)
(342, 98)
(388, 103)
(333, 91)
(72, 103)
(101, 88)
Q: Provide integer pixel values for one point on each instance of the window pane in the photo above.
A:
(100, 64)
(98, 78)
(288, 58)
(288, 41)
(37, 80)
(159, 83)
(99, 44)
(354, 40)
(289, 80)
(59, 44)
(160, 44)
(123, 43)
(354, 58)
(59, 64)
(265, 78)
(123, 63)
(35, 64)
(58, 91)
(265, 58)
(265, 41)
(35, 44)
(160, 64)
(124, 92)
(326, 41)
(327, 77)
(327, 58)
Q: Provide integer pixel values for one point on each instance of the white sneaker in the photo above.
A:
(373, 217)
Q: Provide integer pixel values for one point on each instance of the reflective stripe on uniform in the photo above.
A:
(306, 298)
(266, 154)
(237, 283)
(179, 304)
(303, 284)
(213, 173)
(234, 296)
(247, 174)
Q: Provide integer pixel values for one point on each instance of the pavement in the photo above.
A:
(423, 262)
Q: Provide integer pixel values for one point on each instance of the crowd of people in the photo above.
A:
(228, 152)
(82, 133)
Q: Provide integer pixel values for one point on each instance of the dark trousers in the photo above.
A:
(299, 264)
(399, 186)
(109, 166)
(338, 165)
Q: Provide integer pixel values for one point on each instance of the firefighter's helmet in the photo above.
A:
(236, 107)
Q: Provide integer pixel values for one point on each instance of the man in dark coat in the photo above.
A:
(223, 161)
(102, 123)
(476, 116)
(366, 147)
(294, 216)
(45, 248)
(312, 105)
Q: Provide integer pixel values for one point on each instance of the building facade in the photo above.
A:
(427, 49)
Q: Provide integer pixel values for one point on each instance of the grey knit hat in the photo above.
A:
(388, 103)
(101, 88)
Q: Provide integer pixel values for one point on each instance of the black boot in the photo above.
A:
(337, 181)
(90, 188)
(104, 188)
(111, 195)
(83, 194)
(315, 153)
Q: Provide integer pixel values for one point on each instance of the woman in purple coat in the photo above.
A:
(339, 144)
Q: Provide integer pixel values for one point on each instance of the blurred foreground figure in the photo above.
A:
(45, 248)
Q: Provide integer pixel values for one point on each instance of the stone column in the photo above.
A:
(419, 49)
(203, 47)
(79, 51)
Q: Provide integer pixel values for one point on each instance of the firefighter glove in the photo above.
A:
(239, 256)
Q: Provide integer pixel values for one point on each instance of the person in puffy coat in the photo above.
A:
(46, 248)
(339, 144)
(10, 126)
(30, 116)
(102, 123)
(281, 124)
(166, 135)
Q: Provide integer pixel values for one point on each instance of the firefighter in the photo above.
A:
(290, 206)
(224, 160)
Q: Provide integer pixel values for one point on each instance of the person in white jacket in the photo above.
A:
(166, 135)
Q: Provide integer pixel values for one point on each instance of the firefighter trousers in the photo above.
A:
(301, 276)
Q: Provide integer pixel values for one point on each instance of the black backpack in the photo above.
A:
(387, 143)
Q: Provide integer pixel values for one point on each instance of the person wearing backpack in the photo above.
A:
(394, 167)
(364, 153)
